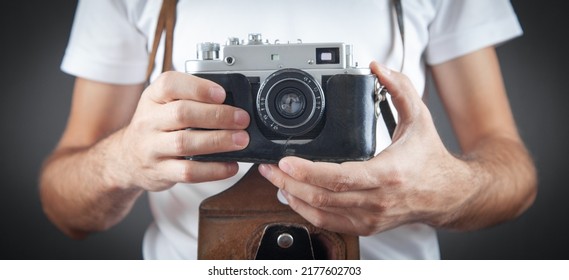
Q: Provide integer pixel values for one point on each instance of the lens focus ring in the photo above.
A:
(290, 102)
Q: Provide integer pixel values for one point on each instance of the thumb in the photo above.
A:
(403, 95)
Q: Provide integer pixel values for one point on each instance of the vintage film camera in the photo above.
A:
(304, 99)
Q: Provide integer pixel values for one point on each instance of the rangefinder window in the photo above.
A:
(327, 55)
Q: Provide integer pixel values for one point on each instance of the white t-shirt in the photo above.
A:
(111, 39)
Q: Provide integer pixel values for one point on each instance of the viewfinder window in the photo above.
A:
(327, 55)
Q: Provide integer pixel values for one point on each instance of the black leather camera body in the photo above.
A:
(304, 100)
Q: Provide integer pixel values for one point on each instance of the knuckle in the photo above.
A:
(367, 231)
(395, 177)
(150, 156)
(177, 112)
(138, 125)
(293, 204)
(342, 184)
(318, 221)
(403, 80)
(197, 87)
(378, 206)
(180, 143)
(369, 226)
(216, 140)
(164, 82)
(346, 180)
(300, 174)
(319, 200)
(218, 113)
(186, 173)
(282, 183)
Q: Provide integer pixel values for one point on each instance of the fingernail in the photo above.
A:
(240, 138)
(232, 167)
(281, 196)
(284, 166)
(384, 70)
(241, 118)
(265, 170)
(217, 94)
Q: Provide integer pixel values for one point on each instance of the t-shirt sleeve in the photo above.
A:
(461, 27)
(105, 44)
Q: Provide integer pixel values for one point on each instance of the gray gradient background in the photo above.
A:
(35, 98)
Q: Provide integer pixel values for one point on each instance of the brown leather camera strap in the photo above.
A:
(166, 23)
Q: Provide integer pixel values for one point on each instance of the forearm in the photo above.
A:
(79, 192)
(500, 178)
(501, 181)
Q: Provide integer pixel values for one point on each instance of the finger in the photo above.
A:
(355, 212)
(187, 171)
(347, 176)
(344, 220)
(320, 218)
(199, 142)
(315, 196)
(182, 114)
(173, 85)
(403, 94)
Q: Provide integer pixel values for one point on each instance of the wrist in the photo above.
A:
(491, 184)
(116, 170)
(460, 184)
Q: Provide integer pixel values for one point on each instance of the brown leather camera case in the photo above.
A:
(232, 223)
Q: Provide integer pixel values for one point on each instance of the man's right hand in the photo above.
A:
(118, 143)
(152, 147)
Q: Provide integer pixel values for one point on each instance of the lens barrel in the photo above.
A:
(290, 102)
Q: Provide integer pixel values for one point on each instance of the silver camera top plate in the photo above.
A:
(257, 58)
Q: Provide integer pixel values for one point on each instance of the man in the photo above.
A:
(119, 143)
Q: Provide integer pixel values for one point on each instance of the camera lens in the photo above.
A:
(290, 102)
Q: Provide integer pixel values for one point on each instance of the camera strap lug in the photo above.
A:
(379, 95)
(382, 107)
